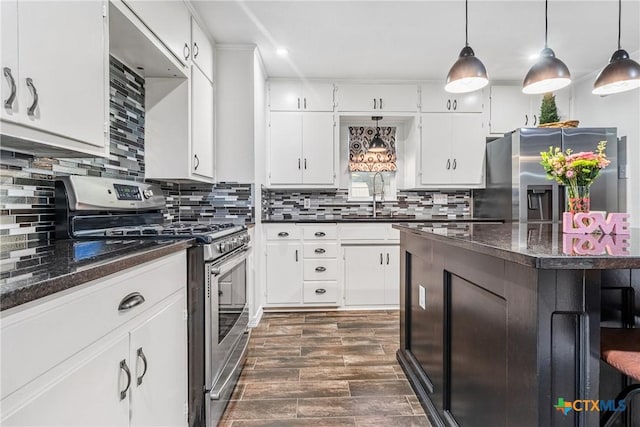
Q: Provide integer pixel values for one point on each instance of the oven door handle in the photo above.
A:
(216, 394)
(231, 262)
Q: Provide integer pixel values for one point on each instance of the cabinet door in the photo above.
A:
(284, 273)
(397, 97)
(509, 109)
(158, 355)
(285, 149)
(468, 152)
(435, 99)
(67, 71)
(285, 96)
(318, 149)
(364, 275)
(88, 394)
(435, 150)
(392, 275)
(170, 21)
(202, 50)
(202, 119)
(9, 59)
(355, 97)
(317, 96)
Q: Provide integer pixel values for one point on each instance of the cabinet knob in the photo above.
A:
(320, 234)
(321, 291)
(321, 269)
(319, 251)
(283, 234)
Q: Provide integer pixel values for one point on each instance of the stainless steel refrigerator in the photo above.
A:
(516, 185)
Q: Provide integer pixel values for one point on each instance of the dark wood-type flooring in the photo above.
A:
(335, 368)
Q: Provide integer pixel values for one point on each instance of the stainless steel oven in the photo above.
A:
(226, 328)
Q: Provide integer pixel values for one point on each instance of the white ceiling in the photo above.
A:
(420, 40)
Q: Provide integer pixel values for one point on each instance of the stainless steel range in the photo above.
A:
(108, 209)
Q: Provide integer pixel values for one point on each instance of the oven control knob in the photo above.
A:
(147, 194)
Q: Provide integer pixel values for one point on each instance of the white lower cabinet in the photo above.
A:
(284, 273)
(371, 275)
(131, 366)
(86, 394)
(302, 267)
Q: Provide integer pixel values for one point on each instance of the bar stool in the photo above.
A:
(620, 348)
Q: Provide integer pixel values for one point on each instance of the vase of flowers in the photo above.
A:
(576, 171)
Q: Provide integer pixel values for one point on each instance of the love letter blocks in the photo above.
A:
(595, 222)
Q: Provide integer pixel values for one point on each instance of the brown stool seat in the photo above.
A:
(620, 348)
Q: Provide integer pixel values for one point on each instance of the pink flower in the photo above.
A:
(569, 174)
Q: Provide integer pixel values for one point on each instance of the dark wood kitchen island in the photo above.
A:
(499, 323)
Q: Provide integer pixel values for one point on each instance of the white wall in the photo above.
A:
(623, 112)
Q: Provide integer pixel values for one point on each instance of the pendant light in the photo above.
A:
(377, 144)
(549, 73)
(468, 72)
(622, 73)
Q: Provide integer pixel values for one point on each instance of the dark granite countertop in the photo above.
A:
(382, 219)
(541, 245)
(69, 263)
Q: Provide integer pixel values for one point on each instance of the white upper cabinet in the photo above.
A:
(55, 82)
(377, 98)
(202, 124)
(301, 150)
(511, 109)
(202, 50)
(170, 21)
(452, 150)
(436, 100)
(299, 96)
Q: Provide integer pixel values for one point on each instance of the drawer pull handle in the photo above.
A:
(283, 234)
(321, 291)
(125, 368)
(132, 300)
(142, 357)
(320, 234)
(319, 251)
(321, 269)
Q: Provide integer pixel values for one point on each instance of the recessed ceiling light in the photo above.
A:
(281, 51)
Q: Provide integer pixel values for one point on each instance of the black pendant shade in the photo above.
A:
(622, 73)
(468, 73)
(548, 73)
(377, 144)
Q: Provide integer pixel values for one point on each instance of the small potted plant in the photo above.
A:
(576, 171)
(549, 117)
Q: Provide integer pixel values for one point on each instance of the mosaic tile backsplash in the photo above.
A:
(27, 211)
(289, 205)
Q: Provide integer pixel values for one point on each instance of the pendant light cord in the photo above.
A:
(619, 22)
(546, 22)
(466, 22)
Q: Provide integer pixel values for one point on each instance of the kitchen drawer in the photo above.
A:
(320, 250)
(320, 269)
(319, 232)
(40, 336)
(365, 232)
(321, 292)
(282, 232)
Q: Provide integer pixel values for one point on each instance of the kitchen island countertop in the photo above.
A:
(68, 263)
(542, 245)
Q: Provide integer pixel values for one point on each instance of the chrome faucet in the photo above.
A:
(374, 191)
